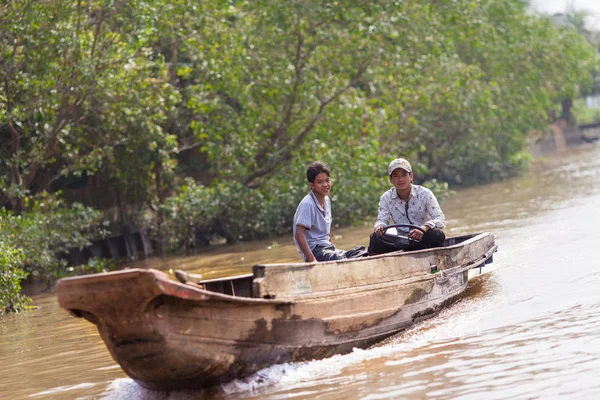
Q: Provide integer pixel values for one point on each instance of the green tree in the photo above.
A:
(59, 62)
(279, 71)
(492, 73)
(11, 274)
(242, 95)
(45, 232)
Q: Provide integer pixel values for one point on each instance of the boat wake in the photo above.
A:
(293, 375)
(289, 375)
(296, 375)
(301, 375)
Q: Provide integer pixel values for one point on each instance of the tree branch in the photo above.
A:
(189, 146)
(287, 114)
(286, 152)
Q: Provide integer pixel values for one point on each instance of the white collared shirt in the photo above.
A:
(423, 209)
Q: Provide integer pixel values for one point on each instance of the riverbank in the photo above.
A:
(129, 247)
(559, 137)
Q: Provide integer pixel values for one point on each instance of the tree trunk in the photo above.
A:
(566, 114)
(160, 216)
(15, 176)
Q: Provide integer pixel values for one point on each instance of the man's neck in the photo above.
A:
(320, 198)
(404, 195)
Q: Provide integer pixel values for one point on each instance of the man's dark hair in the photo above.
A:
(315, 169)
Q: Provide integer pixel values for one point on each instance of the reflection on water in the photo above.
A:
(531, 328)
(48, 352)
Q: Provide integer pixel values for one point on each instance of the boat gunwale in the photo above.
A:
(363, 288)
(404, 281)
(315, 296)
(398, 253)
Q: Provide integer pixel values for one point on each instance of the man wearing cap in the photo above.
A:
(406, 203)
(312, 221)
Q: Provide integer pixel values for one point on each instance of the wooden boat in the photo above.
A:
(169, 335)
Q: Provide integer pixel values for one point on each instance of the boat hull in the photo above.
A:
(168, 335)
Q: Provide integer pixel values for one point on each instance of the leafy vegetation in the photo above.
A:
(45, 232)
(584, 114)
(11, 274)
(197, 120)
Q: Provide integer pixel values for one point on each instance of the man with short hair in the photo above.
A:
(406, 203)
(312, 221)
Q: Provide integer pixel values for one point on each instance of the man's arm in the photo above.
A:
(303, 244)
(383, 216)
(438, 220)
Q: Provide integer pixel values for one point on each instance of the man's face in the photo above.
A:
(401, 179)
(321, 185)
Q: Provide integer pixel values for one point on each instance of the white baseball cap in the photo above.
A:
(399, 163)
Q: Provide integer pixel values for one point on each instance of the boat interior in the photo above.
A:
(240, 285)
(457, 239)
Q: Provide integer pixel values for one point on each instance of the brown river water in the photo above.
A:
(530, 328)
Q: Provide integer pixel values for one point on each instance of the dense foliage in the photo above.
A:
(37, 240)
(11, 274)
(197, 119)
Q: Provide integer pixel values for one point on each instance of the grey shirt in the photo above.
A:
(423, 209)
(316, 219)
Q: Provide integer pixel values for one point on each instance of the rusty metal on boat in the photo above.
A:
(170, 335)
